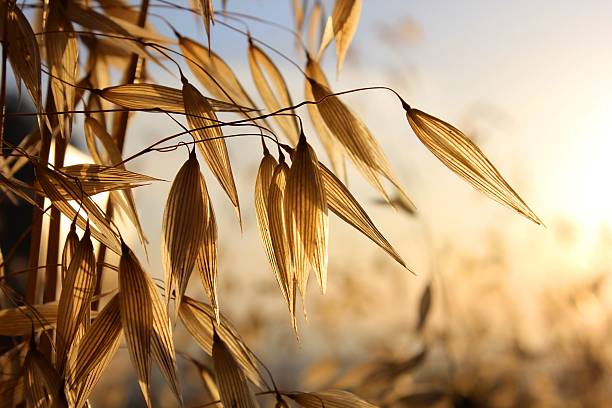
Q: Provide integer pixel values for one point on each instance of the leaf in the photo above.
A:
(424, 307)
(231, 381)
(63, 60)
(23, 54)
(95, 350)
(145, 324)
(344, 205)
(21, 320)
(206, 262)
(343, 25)
(200, 118)
(152, 96)
(329, 399)
(276, 98)
(94, 178)
(199, 318)
(306, 216)
(277, 220)
(183, 228)
(75, 299)
(464, 158)
(359, 144)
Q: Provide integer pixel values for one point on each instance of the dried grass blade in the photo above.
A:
(306, 216)
(50, 180)
(208, 15)
(212, 145)
(22, 320)
(343, 23)
(206, 262)
(329, 399)
(275, 95)
(232, 382)
(344, 205)
(75, 298)
(199, 318)
(146, 96)
(464, 158)
(93, 20)
(95, 178)
(63, 59)
(183, 228)
(95, 351)
(24, 55)
(16, 187)
(277, 221)
(125, 199)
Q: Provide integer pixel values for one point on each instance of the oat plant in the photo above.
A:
(62, 329)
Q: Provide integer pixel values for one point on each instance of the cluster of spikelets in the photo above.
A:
(76, 343)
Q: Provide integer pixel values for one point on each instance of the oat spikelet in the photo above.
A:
(152, 96)
(341, 202)
(24, 55)
(75, 298)
(94, 352)
(332, 146)
(306, 216)
(146, 325)
(206, 262)
(198, 318)
(464, 158)
(356, 139)
(329, 399)
(231, 380)
(63, 59)
(341, 25)
(213, 148)
(277, 221)
(274, 92)
(183, 228)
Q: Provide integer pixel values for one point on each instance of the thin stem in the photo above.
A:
(264, 116)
